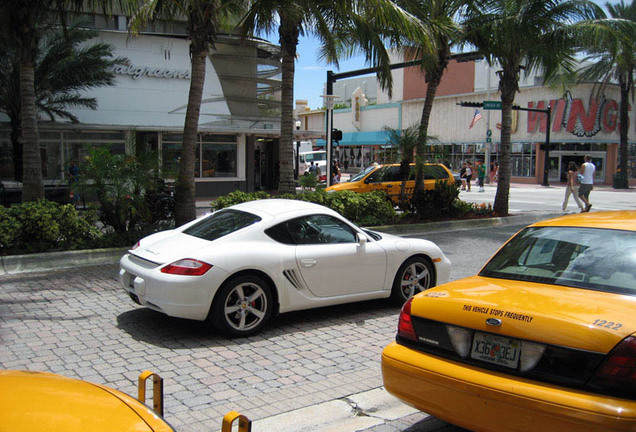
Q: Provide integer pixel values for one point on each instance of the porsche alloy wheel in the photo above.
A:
(414, 276)
(243, 306)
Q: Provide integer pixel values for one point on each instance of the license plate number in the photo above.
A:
(495, 349)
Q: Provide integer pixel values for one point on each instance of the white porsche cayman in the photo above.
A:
(238, 266)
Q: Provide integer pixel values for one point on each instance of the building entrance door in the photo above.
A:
(564, 158)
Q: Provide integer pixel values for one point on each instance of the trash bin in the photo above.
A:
(620, 181)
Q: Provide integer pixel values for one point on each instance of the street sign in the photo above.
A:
(492, 105)
(489, 140)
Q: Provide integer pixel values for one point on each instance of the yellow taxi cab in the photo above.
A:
(41, 401)
(543, 338)
(387, 178)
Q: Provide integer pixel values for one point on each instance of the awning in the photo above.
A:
(359, 138)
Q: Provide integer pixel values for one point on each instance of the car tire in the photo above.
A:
(242, 307)
(406, 285)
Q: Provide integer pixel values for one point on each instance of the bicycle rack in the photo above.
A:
(157, 391)
(244, 424)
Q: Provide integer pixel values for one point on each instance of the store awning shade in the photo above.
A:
(359, 138)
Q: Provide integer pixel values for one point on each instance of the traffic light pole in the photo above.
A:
(546, 111)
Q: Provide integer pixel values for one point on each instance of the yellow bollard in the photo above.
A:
(245, 424)
(157, 391)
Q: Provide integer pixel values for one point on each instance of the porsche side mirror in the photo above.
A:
(361, 239)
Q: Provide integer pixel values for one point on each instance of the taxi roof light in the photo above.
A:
(619, 369)
(405, 323)
(460, 339)
(531, 353)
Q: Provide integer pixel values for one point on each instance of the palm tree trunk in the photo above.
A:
(32, 187)
(624, 129)
(288, 33)
(508, 87)
(185, 206)
(431, 90)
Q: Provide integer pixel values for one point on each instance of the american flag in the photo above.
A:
(475, 119)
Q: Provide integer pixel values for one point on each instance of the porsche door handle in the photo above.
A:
(307, 262)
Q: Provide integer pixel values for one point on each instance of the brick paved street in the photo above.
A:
(79, 323)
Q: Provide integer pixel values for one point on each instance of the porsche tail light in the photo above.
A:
(136, 245)
(460, 339)
(187, 267)
(619, 369)
(405, 324)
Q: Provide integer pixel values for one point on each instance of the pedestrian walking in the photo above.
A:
(312, 168)
(572, 187)
(481, 174)
(587, 182)
(462, 175)
(494, 169)
(469, 175)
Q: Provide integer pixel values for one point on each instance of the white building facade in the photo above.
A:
(144, 111)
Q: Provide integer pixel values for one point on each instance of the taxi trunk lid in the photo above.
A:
(556, 315)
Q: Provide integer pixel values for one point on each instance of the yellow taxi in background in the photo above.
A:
(387, 178)
(542, 339)
(42, 401)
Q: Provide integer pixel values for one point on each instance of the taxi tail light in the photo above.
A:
(460, 339)
(618, 371)
(405, 323)
(187, 267)
(531, 353)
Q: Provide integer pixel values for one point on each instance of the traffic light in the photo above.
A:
(336, 135)
(471, 104)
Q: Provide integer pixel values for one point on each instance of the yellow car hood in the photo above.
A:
(557, 315)
(39, 401)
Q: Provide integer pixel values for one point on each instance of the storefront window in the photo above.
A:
(216, 156)
(522, 160)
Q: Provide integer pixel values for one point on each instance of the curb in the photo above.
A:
(15, 264)
(464, 224)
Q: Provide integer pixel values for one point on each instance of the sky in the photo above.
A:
(311, 74)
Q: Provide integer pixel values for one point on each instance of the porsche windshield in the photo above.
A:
(221, 223)
(591, 258)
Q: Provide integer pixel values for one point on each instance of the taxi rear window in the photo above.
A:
(590, 258)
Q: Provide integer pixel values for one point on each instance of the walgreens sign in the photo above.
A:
(576, 117)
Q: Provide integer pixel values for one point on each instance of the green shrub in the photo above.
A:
(437, 203)
(237, 197)
(41, 226)
(308, 181)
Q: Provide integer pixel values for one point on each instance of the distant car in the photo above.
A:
(387, 178)
(543, 338)
(238, 266)
(42, 401)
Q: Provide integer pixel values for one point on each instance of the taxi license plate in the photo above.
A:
(495, 349)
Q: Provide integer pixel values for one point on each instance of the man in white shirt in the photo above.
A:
(587, 182)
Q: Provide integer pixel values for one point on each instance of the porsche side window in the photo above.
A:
(281, 234)
(221, 223)
(319, 229)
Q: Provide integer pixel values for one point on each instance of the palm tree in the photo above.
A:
(63, 68)
(611, 47)
(204, 19)
(445, 31)
(405, 142)
(342, 26)
(523, 35)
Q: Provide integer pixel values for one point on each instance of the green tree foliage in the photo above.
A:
(65, 67)
(519, 36)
